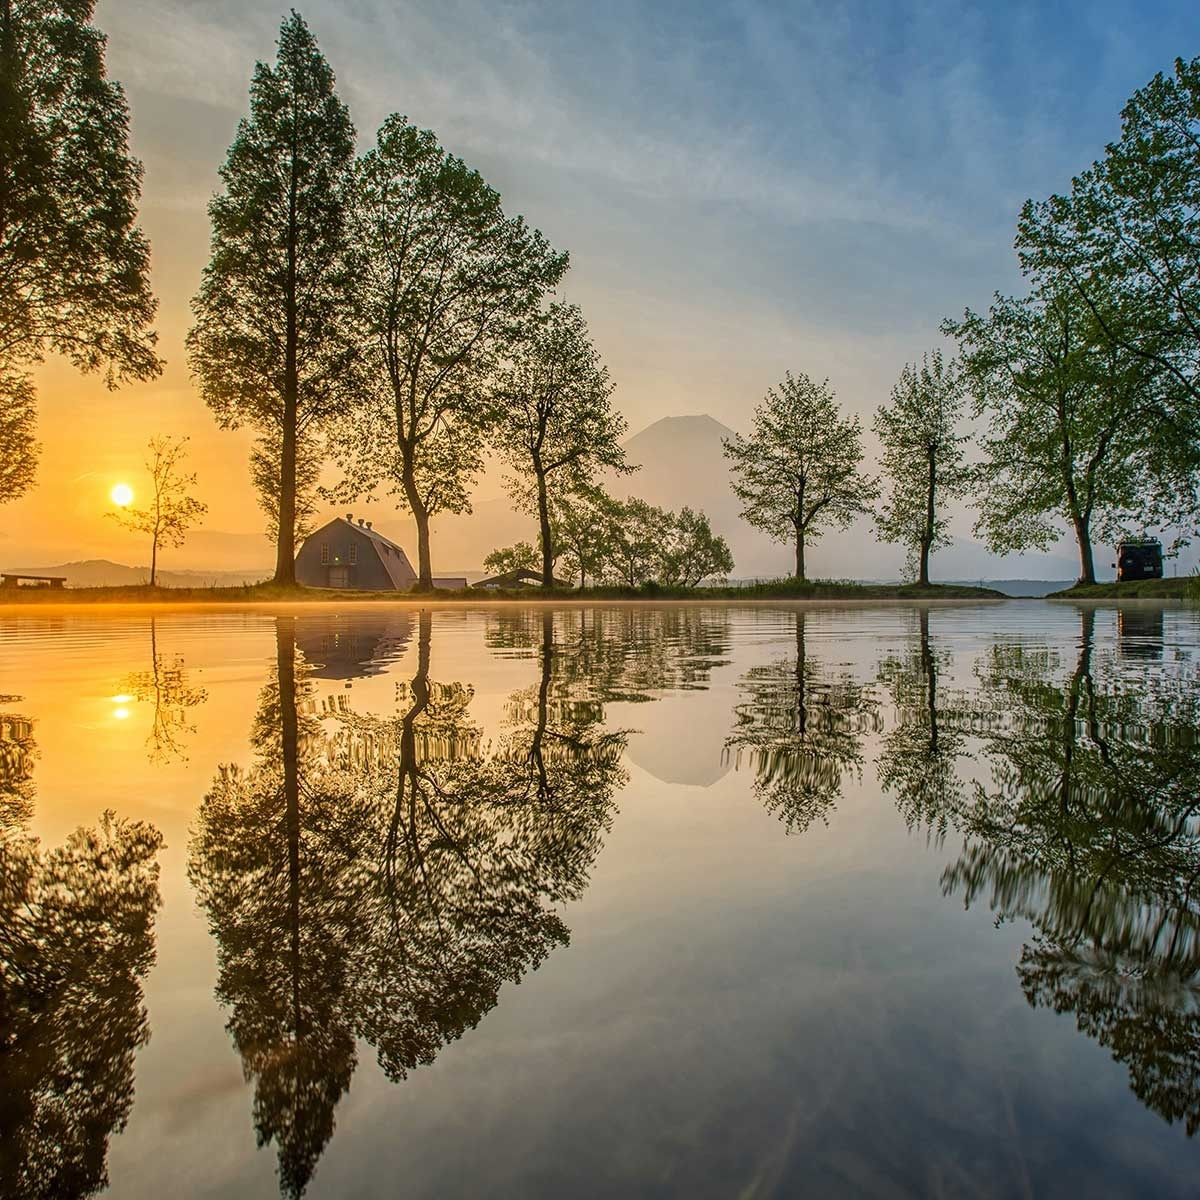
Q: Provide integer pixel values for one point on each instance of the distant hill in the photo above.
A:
(100, 572)
(1019, 587)
(683, 464)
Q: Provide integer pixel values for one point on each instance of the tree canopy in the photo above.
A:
(443, 281)
(553, 417)
(798, 471)
(923, 460)
(272, 345)
(74, 266)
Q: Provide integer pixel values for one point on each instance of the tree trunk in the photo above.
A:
(421, 517)
(154, 560)
(1083, 535)
(929, 666)
(289, 726)
(544, 525)
(800, 553)
(285, 547)
(927, 539)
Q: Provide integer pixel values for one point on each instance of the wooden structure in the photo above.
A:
(355, 557)
(11, 580)
(522, 577)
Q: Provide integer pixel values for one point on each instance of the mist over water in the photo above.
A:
(691, 900)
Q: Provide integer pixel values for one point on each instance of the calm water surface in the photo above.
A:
(612, 902)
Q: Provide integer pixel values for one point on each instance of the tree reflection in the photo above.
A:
(802, 730)
(1088, 829)
(382, 878)
(76, 940)
(168, 687)
(918, 758)
(17, 753)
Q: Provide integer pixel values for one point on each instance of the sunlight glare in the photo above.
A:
(122, 495)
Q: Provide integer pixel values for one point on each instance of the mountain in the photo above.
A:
(100, 572)
(683, 464)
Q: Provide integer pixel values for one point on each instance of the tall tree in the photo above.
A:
(445, 281)
(922, 458)
(1073, 429)
(1131, 226)
(799, 470)
(271, 345)
(554, 417)
(171, 511)
(74, 266)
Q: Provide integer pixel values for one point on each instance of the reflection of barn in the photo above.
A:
(354, 645)
(342, 554)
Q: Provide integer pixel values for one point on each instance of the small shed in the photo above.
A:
(521, 577)
(342, 554)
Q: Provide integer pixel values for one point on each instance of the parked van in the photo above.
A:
(1139, 559)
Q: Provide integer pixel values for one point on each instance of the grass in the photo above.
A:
(1136, 589)
(270, 593)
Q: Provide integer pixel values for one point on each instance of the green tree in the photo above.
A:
(1072, 425)
(554, 417)
(799, 470)
(74, 266)
(692, 552)
(521, 556)
(18, 435)
(171, 511)
(922, 458)
(1128, 227)
(444, 280)
(636, 537)
(583, 520)
(271, 345)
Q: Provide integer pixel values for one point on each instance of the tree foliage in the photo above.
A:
(171, 511)
(272, 345)
(1073, 429)
(76, 941)
(798, 471)
(521, 556)
(1130, 228)
(553, 416)
(74, 266)
(18, 435)
(443, 281)
(923, 461)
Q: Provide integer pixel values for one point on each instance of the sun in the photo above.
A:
(122, 495)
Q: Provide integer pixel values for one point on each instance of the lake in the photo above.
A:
(625, 901)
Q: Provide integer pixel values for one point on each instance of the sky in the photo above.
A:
(744, 188)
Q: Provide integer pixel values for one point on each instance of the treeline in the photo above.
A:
(597, 540)
(1085, 389)
(381, 312)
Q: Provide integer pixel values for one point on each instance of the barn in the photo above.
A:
(343, 554)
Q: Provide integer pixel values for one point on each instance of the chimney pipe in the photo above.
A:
(360, 522)
(368, 524)
(350, 518)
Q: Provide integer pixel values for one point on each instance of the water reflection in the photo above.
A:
(76, 941)
(918, 758)
(168, 687)
(1088, 829)
(801, 728)
(17, 752)
(382, 878)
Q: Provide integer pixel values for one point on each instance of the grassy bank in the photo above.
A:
(269, 593)
(1136, 589)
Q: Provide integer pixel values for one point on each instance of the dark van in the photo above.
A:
(1141, 559)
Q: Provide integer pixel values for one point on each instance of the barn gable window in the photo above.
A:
(353, 553)
(324, 554)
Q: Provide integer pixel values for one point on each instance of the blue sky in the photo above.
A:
(745, 188)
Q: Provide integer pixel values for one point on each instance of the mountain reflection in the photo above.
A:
(76, 940)
(382, 878)
(1088, 829)
(802, 729)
